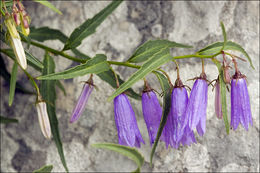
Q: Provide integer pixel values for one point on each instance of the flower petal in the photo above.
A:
(43, 119)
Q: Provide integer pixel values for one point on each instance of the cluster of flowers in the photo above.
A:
(18, 17)
(186, 114)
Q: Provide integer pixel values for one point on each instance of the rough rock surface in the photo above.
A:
(23, 147)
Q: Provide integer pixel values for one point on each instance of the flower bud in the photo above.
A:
(17, 19)
(17, 46)
(82, 101)
(218, 107)
(43, 119)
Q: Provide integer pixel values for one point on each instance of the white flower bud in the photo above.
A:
(43, 119)
(19, 51)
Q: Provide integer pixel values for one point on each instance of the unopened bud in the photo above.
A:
(43, 119)
(10, 24)
(17, 46)
(17, 19)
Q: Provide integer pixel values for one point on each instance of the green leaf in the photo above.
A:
(44, 169)
(166, 110)
(224, 34)
(46, 33)
(7, 77)
(153, 63)
(216, 47)
(59, 84)
(95, 65)
(49, 95)
(151, 47)
(163, 81)
(89, 26)
(49, 5)
(5, 120)
(129, 152)
(223, 94)
(12, 84)
(32, 61)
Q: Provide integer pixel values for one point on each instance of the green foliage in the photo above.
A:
(44, 169)
(89, 26)
(151, 47)
(95, 65)
(5, 120)
(12, 84)
(153, 63)
(129, 152)
(217, 47)
(166, 109)
(49, 5)
(223, 94)
(224, 34)
(46, 33)
(49, 95)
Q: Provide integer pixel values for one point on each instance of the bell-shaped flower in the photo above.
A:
(127, 128)
(218, 107)
(16, 43)
(43, 119)
(240, 102)
(197, 106)
(152, 113)
(82, 100)
(176, 131)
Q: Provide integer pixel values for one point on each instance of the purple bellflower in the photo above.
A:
(82, 101)
(174, 131)
(218, 107)
(197, 106)
(152, 112)
(127, 128)
(240, 102)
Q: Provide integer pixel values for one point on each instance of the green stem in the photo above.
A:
(33, 82)
(196, 56)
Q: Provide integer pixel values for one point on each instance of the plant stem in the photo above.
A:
(124, 64)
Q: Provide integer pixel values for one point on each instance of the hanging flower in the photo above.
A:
(176, 131)
(197, 106)
(128, 132)
(152, 112)
(43, 118)
(218, 107)
(16, 43)
(82, 100)
(240, 102)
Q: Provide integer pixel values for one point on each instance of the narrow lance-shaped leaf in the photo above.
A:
(59, 84)
(224, 34)
(5, 120)
(49, 95)
(129, 152)
(216, 47)
(12, 83)
(166, 110)
(44, 169)
(89, 26)
(109, 77)
(163, 81)
(49, 5)
(151, 47)
(46, 33)
(223, 94)
(95, 65)
(153, 63)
